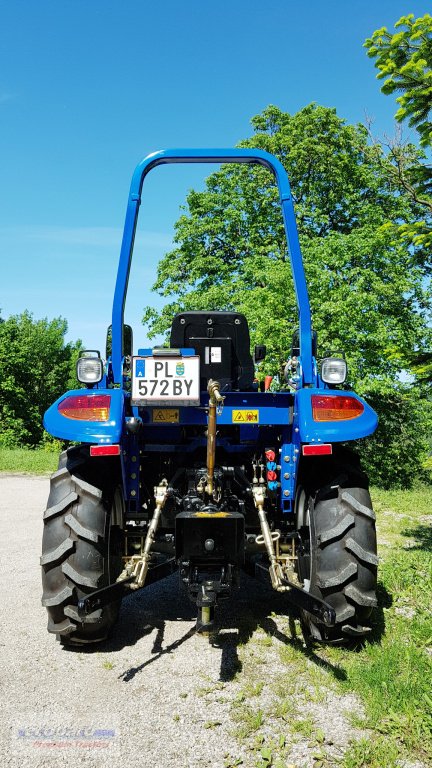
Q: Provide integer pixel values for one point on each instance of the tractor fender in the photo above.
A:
(79, 429)
(311, 430)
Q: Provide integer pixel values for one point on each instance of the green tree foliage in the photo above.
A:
(404, 61)
(36, 366)
(368, 291)
(397, 452)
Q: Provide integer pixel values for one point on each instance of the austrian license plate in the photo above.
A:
(166, 380)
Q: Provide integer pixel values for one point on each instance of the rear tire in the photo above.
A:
(341, 556)
(81, 545)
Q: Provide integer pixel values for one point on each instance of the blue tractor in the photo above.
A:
(180, 462)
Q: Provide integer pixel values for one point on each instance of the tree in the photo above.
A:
(36, 366)
(404, 61)
(366, 288)
(368, 291)
(398, 451)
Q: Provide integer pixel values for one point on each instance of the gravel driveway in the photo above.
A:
(156, 692)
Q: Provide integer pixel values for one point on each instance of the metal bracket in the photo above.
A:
(131, 469)
(106, 595)
(300, 598)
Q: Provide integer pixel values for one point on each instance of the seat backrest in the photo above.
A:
(222, 341)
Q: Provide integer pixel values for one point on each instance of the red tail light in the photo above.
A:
(86, 407)
(335, 407)
(104, 450)
(324, 449)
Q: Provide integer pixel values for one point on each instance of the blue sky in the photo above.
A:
(88, 88)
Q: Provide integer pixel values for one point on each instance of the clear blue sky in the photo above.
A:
(87, 88)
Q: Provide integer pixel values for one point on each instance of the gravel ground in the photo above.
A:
(156, 692)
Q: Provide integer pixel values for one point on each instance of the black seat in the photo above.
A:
(222, 341)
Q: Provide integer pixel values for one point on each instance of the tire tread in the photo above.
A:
(338, 530)
(366, 556)
(52, 555)
(362, 509)
(57, 509)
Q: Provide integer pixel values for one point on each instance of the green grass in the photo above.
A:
(248, 721)
(392, 674)
(378, 753)
(24, 460)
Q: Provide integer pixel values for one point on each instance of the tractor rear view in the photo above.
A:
(181, 463)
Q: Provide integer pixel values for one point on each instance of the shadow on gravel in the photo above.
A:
(132, 671)
(249, 609)
(144, 613)
(245, 615)
(238, 618)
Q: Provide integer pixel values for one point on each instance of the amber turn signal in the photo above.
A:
(86, 407)
(335, 407)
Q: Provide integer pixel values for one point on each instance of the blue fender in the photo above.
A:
(82, 431)
(311, 431)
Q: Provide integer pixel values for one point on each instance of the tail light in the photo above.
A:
(105, 450)
(335, 407)
(86, 407)
(323, 449)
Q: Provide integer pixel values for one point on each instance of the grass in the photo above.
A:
(27, 461)
(376, 754)
(248, 721)
(390, 674)
(212, 724)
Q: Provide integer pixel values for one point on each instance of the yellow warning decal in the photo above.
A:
(166, 415)
(245, 417)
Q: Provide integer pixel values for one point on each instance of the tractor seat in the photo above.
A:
(222, 341)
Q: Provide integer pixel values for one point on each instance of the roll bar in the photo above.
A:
(256, 156)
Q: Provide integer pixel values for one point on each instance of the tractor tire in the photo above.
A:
(81, 545)
(342, 555)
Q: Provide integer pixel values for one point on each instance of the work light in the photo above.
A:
(89, 369)
(333, 370)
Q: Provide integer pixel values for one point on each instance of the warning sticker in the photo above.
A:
(245, 417)
(166, 415)
(216, 354)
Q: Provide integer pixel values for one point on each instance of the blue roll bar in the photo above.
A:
(257, 156)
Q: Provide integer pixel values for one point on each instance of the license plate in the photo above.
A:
(166, 380)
